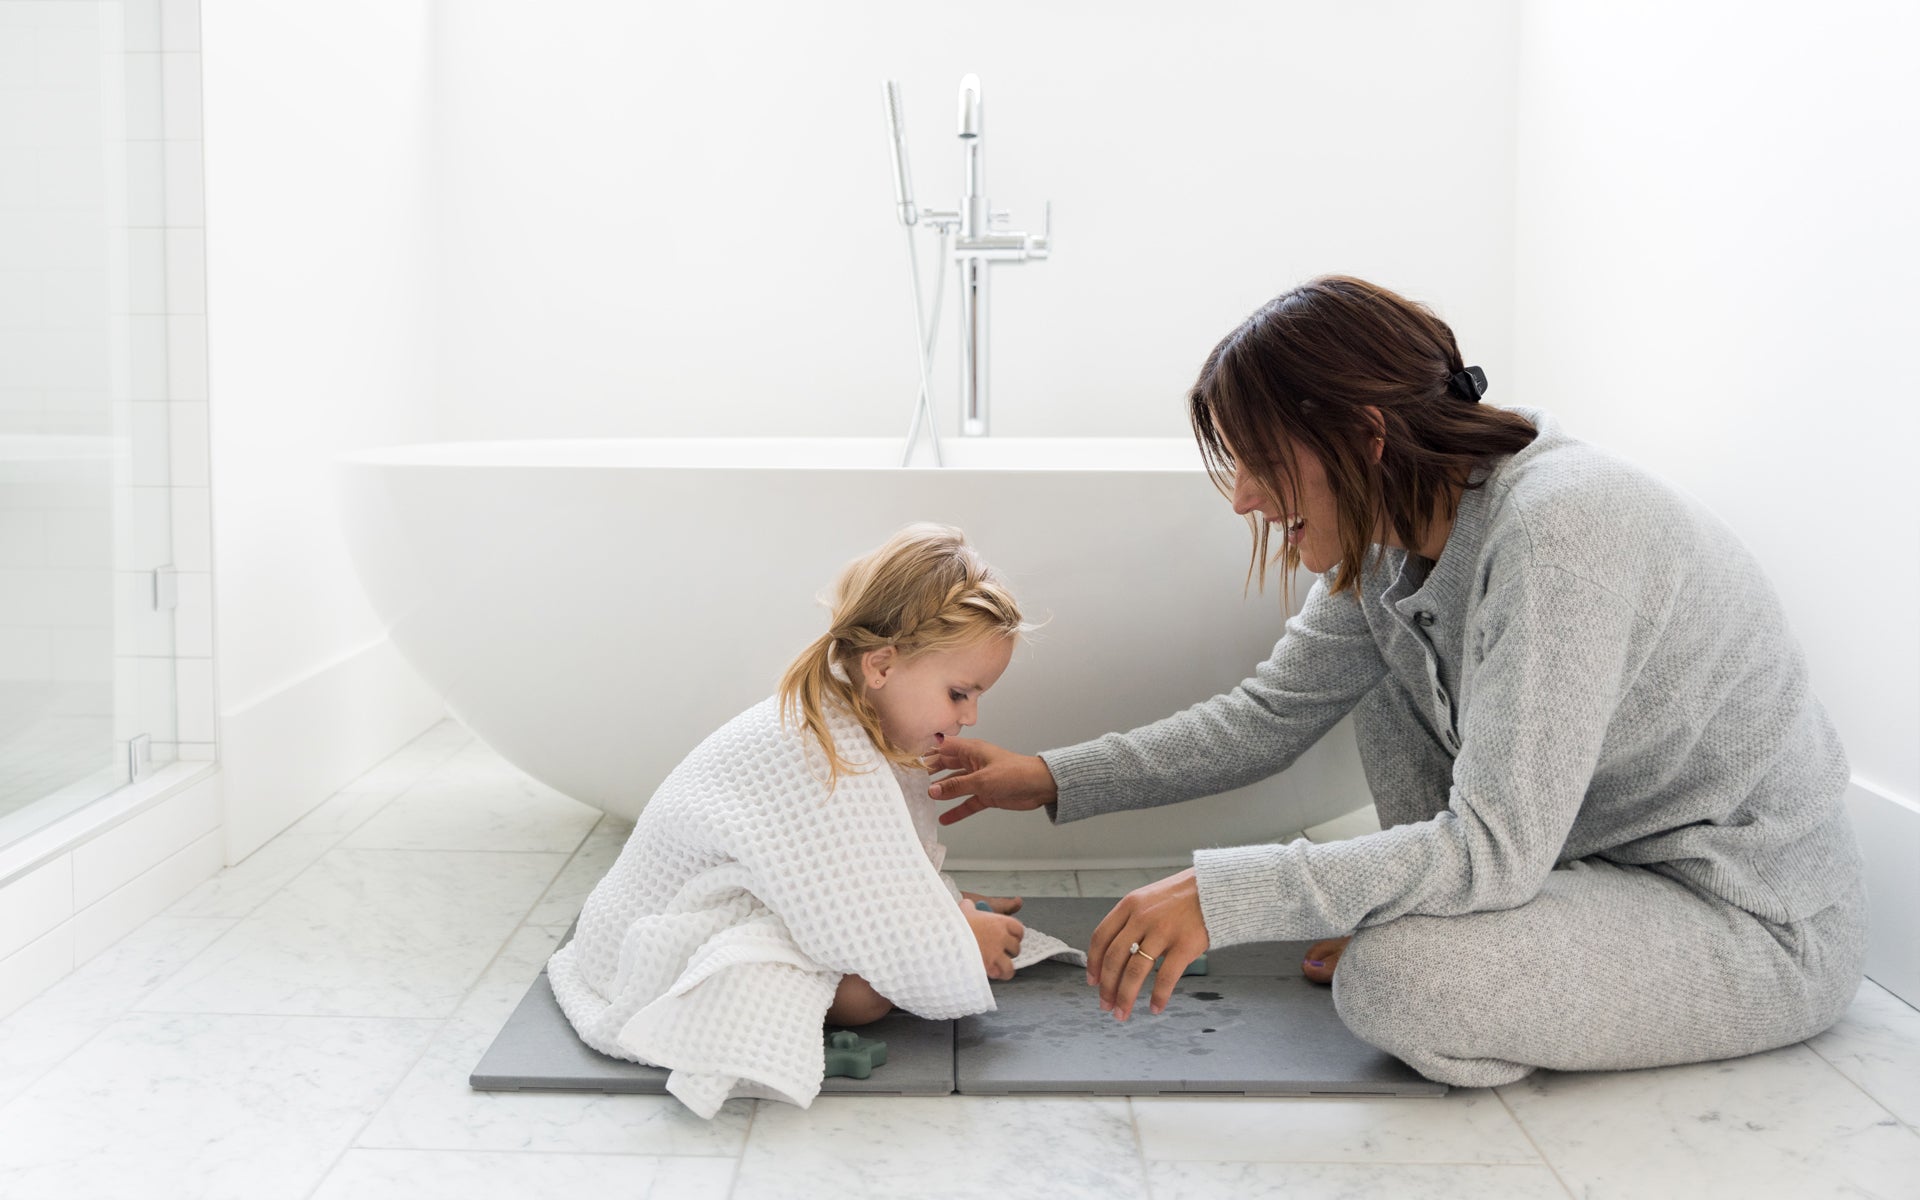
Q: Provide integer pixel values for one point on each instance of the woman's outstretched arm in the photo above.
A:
(1321, 667)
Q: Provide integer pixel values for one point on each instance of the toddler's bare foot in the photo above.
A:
(856, 1003)
(1322, 958)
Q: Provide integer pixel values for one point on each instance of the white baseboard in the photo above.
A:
(1889, 830)
(286, 752)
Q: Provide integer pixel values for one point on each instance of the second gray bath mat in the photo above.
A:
(1251, 1026)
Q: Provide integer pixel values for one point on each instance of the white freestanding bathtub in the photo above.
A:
(592, 609)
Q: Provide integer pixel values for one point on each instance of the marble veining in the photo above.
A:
(1873, 1045)
(396, 933)
(1351, 1181)
(431, 1175)
(594, 858)
(435, 1109)
(1468, 1125)
(1017, 883)
(1783, 1123)
(39, 1034)
(202, 1107)
(985, 1146)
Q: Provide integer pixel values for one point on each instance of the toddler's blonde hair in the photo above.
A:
(922, 592)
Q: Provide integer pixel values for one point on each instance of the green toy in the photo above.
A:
(983, 906)
(853, 1056)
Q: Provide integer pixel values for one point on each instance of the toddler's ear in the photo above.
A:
(875, 664)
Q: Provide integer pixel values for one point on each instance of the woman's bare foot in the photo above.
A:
(1322, 958)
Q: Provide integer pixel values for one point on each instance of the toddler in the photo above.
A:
(786, 873)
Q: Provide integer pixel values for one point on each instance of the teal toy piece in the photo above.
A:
(853, 1056)
(983, 906)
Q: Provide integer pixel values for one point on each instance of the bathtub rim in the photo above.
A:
(1071, 455)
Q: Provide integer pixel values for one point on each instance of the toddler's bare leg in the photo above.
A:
(856, 1003)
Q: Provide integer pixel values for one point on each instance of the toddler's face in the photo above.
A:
(934, 694)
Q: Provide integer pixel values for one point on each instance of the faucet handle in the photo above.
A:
(1040, 247)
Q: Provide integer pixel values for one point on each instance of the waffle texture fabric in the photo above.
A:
(1594, 669)
(746, 892)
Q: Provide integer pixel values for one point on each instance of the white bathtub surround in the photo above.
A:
(593, 609)
(104, 1091)
(74, 889)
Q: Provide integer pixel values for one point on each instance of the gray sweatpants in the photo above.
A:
(1610, 967)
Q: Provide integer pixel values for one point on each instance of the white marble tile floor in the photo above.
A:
(302, 1026)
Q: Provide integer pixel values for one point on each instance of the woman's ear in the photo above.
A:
(1378, 445)
(875, 664)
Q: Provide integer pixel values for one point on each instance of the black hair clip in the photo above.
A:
(1468, 383)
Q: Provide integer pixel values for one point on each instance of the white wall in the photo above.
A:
(641, 225)
(317, 131)
(1718, 275)
(680, 221)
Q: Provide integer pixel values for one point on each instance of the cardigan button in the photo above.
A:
(1425, 618)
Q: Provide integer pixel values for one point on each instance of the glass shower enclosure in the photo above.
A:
(88, 698)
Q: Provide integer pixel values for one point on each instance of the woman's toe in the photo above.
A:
(1322, 958)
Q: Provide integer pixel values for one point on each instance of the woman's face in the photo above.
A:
(1312, 528)
(935, 695)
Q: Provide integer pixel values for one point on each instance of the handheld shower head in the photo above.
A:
(897, 134)
(971, 117)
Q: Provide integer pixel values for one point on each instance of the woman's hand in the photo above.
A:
(989, 777)
(999, 939)
(1165, 918)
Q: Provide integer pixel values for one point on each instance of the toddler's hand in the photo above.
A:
(1004, 905)
(999, 937)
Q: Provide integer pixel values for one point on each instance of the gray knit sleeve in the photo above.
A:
(1554, 653)
(1324, 662)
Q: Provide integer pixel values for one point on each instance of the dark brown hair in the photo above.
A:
(1302, 372)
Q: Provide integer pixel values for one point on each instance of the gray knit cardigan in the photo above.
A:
(1594, 666)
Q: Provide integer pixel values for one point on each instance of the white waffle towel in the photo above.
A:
(747, 891)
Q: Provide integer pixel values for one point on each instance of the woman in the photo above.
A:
(1610, 806)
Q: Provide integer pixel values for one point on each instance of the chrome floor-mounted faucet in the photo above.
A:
(976, 244)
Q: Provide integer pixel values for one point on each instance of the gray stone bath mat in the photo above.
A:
(537, 1048)
(1251, 1026)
